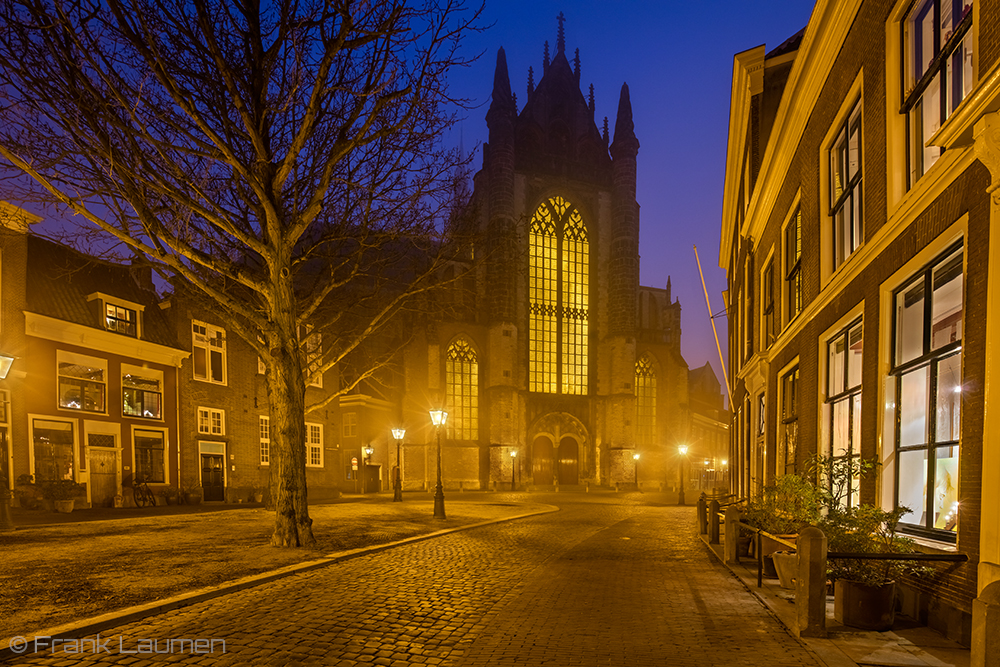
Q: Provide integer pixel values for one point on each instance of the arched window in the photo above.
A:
(645, 394)
(462, 383)
(558, 299)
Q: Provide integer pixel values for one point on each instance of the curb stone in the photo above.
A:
(128, 615)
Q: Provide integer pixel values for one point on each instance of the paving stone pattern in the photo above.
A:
(604, 581)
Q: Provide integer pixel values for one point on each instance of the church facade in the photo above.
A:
(556, 367)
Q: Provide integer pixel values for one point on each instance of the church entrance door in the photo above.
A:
(541, 461)
(569, 463)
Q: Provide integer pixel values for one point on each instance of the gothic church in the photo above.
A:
(561, 368)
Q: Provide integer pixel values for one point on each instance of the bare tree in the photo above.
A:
(277, 158)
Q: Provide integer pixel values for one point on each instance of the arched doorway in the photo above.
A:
(541, 460)
(569, 461)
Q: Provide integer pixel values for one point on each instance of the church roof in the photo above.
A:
(555, 131)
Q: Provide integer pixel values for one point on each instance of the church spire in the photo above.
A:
(561, 34)
(576, 66)
(625, 141)
(503, 99)
(545, 58)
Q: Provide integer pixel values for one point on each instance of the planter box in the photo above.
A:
(865, 607)
(64, 506)
(786, 563)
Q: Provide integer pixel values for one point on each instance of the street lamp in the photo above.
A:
(683, 449)
(439, 418)
(635, 457)
(397, 480)
(368, 450)
(513, 458)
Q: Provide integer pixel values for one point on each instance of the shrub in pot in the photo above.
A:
(783, 508)
(864, 589)
(61, 492)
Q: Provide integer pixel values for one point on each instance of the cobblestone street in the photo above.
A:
(608, 580)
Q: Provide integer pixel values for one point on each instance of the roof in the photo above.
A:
(59, 279)
(788, 46)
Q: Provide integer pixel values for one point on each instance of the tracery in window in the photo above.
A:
(558, 299)
(462, 383)
(645, 394)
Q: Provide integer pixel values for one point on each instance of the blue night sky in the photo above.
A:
(677, 59)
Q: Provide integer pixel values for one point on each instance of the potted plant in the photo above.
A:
(169, 495)
(864, 589)
(62, 493)
(192, 494)
(258, 494)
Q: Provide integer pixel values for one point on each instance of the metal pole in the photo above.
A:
(439, 490)
(513, 460)
(680, 497)
(397, 484)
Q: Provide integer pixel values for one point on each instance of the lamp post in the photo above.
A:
(439, 418)
(725, 472)
(513, 458)
(369, 450)
(683, 449)
(635, 457)
(397, 479)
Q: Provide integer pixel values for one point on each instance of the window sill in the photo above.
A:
(930, 545)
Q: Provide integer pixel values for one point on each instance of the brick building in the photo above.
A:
(856, 237)
(91, 396)
(557, 353)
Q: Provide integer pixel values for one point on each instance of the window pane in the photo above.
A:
(856, 425)
(217, 366)
(946, 312)
(910, 322)
(841, 443)
(946, 488)
(913, 485)
(54, 449)
(199, 354)
(920, 31)
(855, 339)
(949, 399)
(837, 360)
(913, 408)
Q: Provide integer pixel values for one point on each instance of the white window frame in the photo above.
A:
(62, 356)
(314, 444)
(787, 318)
(106, 300)
(207, 418)
(766, 343)
(208, 341)
(264, 435)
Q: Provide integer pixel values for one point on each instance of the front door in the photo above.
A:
(103, 477)
(541, 461)
(569, 466)
(213, 483)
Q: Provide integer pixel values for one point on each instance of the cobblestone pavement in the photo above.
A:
(607, 580)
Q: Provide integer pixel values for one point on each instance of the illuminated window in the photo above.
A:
(845, 188)
(120, 320)
(82, 382)
(789, 422)
(937, 73)
(142, 392)
(844, 401)
(927, 365)
(150, 455)
(645, 394)
(462, 382)
(558, 299)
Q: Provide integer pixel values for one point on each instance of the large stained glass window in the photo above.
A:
(645, 394)
(558, 299)
(462, 382)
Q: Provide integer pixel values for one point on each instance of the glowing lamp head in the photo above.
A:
(369, 450)
(439, 417)
(636, 456)
(513, 453)
(725, 462)
(398, 433)
(683, 449)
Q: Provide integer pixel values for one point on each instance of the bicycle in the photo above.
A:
(141, 493)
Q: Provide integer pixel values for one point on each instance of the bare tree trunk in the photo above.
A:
(286, 393)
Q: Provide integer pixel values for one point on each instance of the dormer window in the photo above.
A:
(120, 320)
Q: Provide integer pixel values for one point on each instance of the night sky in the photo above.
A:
(677, 59)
